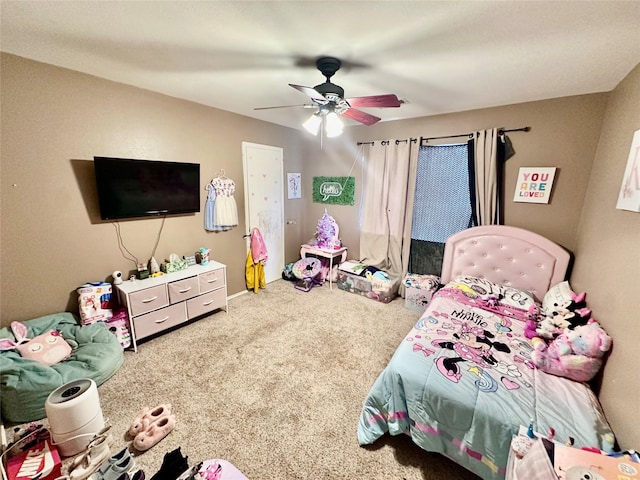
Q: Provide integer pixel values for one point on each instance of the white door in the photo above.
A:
(264, 201)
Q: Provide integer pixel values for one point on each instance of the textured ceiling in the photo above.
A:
(437, 56)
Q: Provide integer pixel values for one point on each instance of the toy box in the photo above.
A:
(41, 461)
(94, 302)
(419, 290)
(380, 290)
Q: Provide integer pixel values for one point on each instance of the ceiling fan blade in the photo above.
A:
(361, 116)
(303, 105)
(312, 93)
(378, 101)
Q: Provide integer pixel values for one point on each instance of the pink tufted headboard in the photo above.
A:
(506, 255)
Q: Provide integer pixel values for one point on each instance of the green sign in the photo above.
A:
(334, 190)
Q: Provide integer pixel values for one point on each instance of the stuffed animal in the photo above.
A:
(559, 316)
(575, 354)
(571, 312)
(47, 348)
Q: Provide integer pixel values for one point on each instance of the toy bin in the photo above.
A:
(419, 290)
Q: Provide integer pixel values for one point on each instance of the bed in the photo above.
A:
(461, 382)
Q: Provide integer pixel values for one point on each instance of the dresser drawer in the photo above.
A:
(159, 320)
(211, 280)
(148, 299)
(183, 289)
(207, 302)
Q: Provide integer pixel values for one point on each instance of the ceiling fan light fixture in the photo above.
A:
(312, 125)
(333, 125)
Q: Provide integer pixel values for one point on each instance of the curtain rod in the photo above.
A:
(470, 135)
(386, 142)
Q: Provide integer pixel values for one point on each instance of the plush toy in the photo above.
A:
(559, 316)
(570, 313)
(576, 353)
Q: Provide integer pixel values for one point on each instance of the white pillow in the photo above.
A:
(559, 294)
(505, 294)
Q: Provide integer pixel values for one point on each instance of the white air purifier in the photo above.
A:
(74, 415)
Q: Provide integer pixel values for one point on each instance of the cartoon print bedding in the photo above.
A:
(462, 382)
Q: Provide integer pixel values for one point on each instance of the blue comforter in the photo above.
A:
(462, 382)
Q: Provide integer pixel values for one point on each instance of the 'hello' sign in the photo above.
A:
(534, 184)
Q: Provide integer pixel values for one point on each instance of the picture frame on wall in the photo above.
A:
(629, 196)
(534, 184)
(294, 185)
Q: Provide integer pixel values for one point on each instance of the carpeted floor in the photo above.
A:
(275, 387)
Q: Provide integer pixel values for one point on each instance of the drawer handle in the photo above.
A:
(162, 319)
(212, 281)
(206, 304)
(184, 290)
(150, 299)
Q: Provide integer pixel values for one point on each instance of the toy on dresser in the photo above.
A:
(327, 233)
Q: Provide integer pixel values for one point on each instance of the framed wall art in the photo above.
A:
(294, 185)
(534, 184)
(629, 196)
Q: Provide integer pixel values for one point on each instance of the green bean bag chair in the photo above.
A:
(25, 384)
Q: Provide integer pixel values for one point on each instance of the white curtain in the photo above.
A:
(486, 164)
(388, 193)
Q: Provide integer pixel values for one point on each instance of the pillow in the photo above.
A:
(559, 294)
(48, 348)
(506, 295)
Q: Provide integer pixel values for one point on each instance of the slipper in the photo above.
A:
(98, 453)
(147, 416)
(155, 432)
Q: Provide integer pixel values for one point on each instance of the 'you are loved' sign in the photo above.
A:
(534, 184)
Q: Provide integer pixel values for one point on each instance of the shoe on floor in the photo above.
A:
(137, 475)
(96, 440)
(91, 461)
(155, 432)
(147, 416)
(173, 464)
(115, 466)
(113, 470)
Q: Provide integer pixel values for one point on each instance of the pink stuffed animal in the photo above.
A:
(47, 348)
(575, 354)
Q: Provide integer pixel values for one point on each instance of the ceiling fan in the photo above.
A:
(329, 100)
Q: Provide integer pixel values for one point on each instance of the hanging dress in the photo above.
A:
(209, 209)
(226, 211)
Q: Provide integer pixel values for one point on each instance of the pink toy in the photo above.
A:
(575, 354)
(48, 348)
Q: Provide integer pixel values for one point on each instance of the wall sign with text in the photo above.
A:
(334, 190)
(534, 184)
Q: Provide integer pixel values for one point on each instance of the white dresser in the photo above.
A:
(158, 303)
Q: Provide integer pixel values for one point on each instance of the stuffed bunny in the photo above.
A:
(48, 348)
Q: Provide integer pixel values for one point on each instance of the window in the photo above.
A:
(442, 204)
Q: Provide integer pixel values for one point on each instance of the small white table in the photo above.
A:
(325, 253)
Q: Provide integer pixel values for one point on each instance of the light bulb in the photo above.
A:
(312, 125)
(333, 125)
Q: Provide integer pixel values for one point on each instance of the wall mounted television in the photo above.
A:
(130, 188)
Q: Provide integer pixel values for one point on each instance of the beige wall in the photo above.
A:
(53, 123)
(608, 260)
(564, 134)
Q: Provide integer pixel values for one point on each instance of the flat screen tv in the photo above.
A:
(129, 188)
